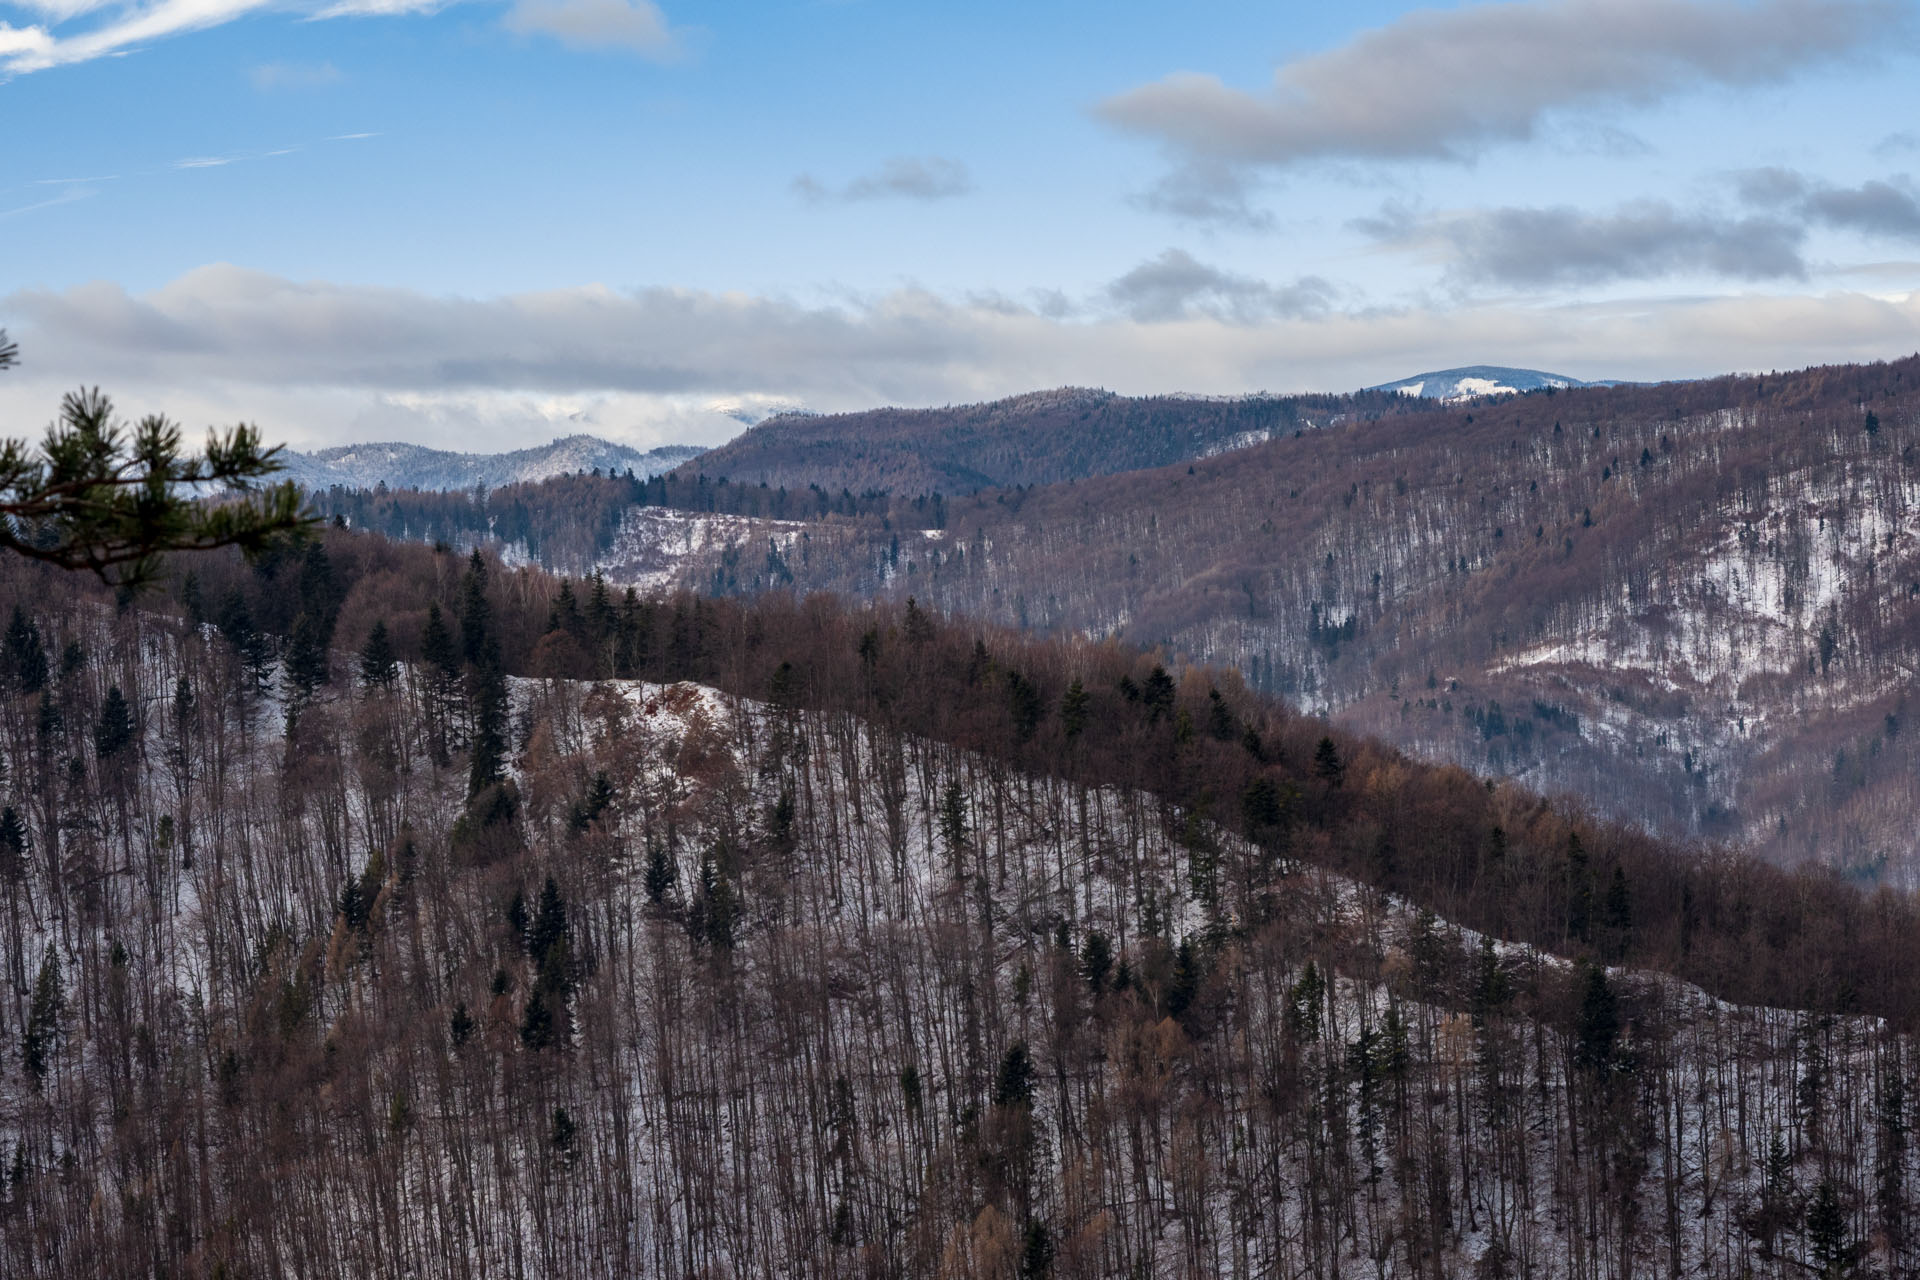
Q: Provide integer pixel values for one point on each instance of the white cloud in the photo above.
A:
(74, 31)
(320, 363)
(637, 26)
(1445, 83)
(129, 26)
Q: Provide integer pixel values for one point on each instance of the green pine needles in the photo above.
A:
(112, 498)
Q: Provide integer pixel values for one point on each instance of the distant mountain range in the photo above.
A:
(412, 466)
(1481, 380)
(1043, 437)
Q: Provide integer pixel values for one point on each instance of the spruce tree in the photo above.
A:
(1598, 1024)
(488, 759)
(43, 1020)
(476, 615)
(1073, 710)
(536, 1024)
(26, 654)
(379, 665)
(1096, 961)
(437, 648)
(1327, 765)
(1618, 912)
(306, 662)
(1832, 1252)
(115, 732)
(953, 828)
(1013, 1084)
(549, 939)
(13, 847)
(319, 595)
(1036, 1257)
(660, 874)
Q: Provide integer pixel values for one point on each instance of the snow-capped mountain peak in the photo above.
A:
(1479, 380)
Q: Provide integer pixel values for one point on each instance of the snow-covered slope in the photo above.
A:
(1479, 380)
(412, 466)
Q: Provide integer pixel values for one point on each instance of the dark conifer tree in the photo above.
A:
(1096, 961)
(1074, 704)
(26, 654)
(115, 732)
(319, 595)
(537, 1029)
(549, 938)
(1828, 1245)
(660, 874)
(476, 614)
(1598, 1023)
(1327, 765)
(488, 694)
(437, 648)
(43, 1019)
(13, 846)
(379, 665)
(1013, 1084)
(306, 660)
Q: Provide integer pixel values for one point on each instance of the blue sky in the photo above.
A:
(480, 225)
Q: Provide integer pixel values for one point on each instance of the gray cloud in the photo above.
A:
(1442, 83)
(1206, 192)
(899, 178)
(317, 363)
(1888, 208)
(1535, 248)
(1177, 286)
(636, 26)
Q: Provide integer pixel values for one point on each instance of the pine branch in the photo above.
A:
(98, 496)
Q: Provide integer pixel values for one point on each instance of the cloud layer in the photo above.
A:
(319, 363)
(1443, 83)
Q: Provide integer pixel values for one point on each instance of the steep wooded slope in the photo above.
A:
(870, 956)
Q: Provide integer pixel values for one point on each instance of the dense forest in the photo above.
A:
(377, 909)
(1696, 604)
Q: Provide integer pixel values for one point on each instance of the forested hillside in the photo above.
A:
(1047, 437)
(1695, 604)
(377, 910)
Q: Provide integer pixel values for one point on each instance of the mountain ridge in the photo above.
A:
(399, 465)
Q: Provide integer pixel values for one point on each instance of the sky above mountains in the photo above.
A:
(480, 225)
